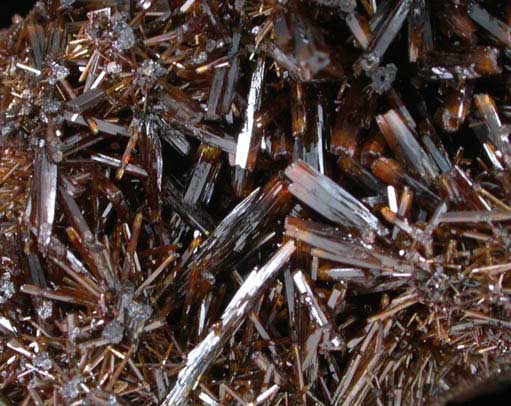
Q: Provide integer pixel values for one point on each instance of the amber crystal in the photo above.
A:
(301, 202)
(456, 106)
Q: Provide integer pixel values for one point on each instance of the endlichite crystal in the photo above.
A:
(248, 141)
(385, 34)
(456, 107)
(201, 356)
(204, 177)
(329, 199)
(345, 134)
(402, 140)
(420, 35)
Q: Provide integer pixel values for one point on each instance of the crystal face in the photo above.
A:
(71, 390)
(42, 361)
(139, 312)
(58, 73)
(44, 311)
(255, 202)
(113, 332)
(7, 288)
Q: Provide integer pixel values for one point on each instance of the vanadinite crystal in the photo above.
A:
(255, 202)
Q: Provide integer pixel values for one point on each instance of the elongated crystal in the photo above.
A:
(200, 358)
(204, 176)
(327, 244)
(345, 133)
(248, 222)
(498, 132)
(86, 101)
(151, 150)
(248, 139)
(390, 172)
(330, 200)
(470, 64)
(44, 196)
(402, 140)
(420, 35)
(500, 30)
(385, 34)
(455, 108)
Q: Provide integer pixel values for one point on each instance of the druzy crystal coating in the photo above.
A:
(254, 202)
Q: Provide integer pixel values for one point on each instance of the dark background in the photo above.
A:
(9, 8)
(496, 396)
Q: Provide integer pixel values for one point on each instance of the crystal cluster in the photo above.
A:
(254, 202)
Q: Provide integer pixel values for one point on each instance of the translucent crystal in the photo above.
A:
(191, 214)
(456, 107)
(204, 176)
(354, 170)
(385, 34)
(180, 106)
(66, 3)
(102, 125)
(329, 199)
(98, 397)
(86, 101)
(470, 64)
(243, 227)
(301, 48)
(248, 142)
(312, 125)
(303, 287)
(498, 133)
(493, 25)
(402, 139)
(344, 138)
(347, 250)
(125, 125)
(420, 35)
(199, 359)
